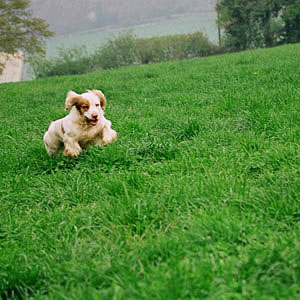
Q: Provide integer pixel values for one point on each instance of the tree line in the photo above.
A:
(124, 50)
(249, 24)
(246, 24)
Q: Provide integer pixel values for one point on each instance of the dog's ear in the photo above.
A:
(72, 99)
(101, 97)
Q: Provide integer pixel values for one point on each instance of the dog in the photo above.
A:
(83, 127)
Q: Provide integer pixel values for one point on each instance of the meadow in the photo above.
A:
(198, 198)
(204, 22)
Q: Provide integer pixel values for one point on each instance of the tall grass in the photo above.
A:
(198, 198)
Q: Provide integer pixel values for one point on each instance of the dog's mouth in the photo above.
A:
(92, 122)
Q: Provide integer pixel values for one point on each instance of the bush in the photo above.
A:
(175, 47)
(117, 52)
(75, 60)
(127, 49)
(124, 50)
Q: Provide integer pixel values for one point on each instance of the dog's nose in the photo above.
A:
(94, 115)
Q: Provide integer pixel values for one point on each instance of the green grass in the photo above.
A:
(205, 22)
(198, 198)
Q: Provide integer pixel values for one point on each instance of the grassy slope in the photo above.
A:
(198, 199)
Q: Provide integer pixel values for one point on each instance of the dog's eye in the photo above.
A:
(97, 104)
(85, 107)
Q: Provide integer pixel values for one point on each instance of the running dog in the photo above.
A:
(83, 127)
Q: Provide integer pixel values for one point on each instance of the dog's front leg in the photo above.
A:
(72, 147)
(108, 134)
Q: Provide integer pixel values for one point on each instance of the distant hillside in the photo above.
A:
(79, 15)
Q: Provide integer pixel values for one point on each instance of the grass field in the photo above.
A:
(205, 22)
(198, 199)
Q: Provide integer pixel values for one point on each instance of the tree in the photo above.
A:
(250, 23)
(291, 18)
(19, 30)
(235, 20)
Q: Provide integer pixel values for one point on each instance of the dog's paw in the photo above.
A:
(71, 152)
(109, 138)
(114, 135)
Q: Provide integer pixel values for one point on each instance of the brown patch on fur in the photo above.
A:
(101, 97)
(62, 128)
(82, 105)
(72, 99)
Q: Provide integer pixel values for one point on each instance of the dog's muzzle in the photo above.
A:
(92, 122)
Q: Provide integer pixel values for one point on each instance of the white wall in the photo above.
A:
(13, 67)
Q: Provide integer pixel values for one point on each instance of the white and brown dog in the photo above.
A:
(83, 127)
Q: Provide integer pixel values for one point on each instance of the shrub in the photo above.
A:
(75, 60)
(117, 52)
(174, 47)
(126, 49)
(150, 50)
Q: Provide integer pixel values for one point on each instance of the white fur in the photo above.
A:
(78, 130)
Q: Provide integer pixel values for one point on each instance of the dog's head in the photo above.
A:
(90, 105)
